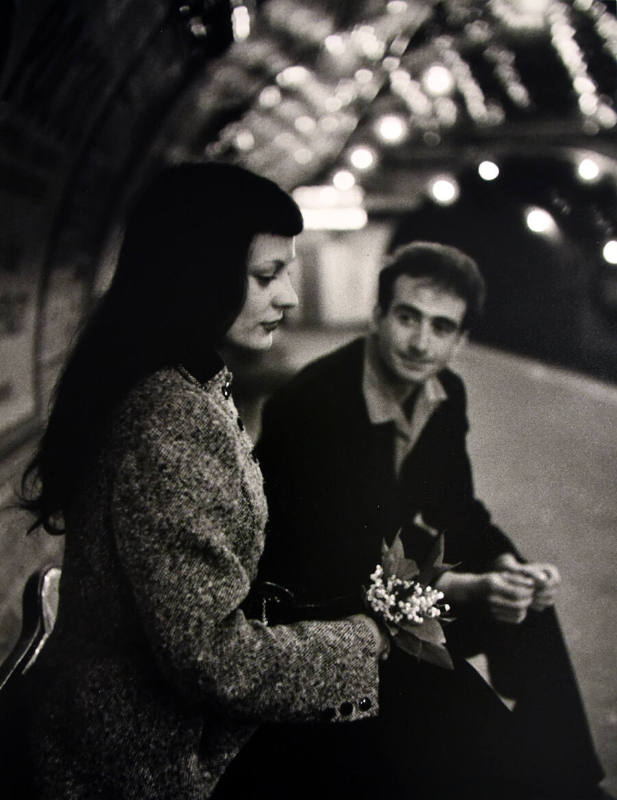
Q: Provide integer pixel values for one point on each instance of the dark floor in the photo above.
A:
(543, 443)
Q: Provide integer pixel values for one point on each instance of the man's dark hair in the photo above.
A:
(444, 266)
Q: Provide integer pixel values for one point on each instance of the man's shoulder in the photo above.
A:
(456, 393)
(335, 371)
(452, 382)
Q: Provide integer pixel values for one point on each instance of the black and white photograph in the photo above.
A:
(308, 400)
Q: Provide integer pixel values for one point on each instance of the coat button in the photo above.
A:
(328, 714)
(364, 704)
(346, 709)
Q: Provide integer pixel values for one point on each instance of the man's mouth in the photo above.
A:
(412, 361)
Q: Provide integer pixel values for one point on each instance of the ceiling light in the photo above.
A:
(540, 221)
(343, 180)
(437, 80)
(391, 128)
(488, 170)
(588, 169)
(362, 157)
(610, 251)
(444, 190)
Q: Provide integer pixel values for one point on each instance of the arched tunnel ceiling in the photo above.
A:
(101, 93)
(93, 96)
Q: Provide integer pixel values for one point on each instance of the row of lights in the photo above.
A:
(445, 190)
(563, 38)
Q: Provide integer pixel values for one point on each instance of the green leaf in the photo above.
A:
(433, 561)
(409, 643)
(408, 569)
(392, 556)
(436, 654)
(429, 631)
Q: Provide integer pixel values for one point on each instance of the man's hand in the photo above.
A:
(546, 579)
(509, 590)
(509, 595)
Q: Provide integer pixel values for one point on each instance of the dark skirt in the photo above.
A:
(441, 733)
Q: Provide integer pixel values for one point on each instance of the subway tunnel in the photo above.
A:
(490, 126)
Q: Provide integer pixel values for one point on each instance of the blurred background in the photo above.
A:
(487, 124)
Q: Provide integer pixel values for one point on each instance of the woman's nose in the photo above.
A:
(285, 296)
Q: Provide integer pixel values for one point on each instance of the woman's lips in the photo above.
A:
(271, 326)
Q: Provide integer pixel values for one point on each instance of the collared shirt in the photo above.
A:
(384, 402)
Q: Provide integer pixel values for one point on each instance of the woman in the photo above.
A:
(153, 678)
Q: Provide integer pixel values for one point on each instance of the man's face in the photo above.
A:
(418, 334)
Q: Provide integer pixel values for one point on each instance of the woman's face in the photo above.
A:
(269, 292)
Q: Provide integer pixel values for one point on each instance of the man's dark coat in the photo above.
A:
(333, 497)
(332, 491)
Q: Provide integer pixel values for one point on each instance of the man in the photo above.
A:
(355, 447)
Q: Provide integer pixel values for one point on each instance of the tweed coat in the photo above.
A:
(153, 678)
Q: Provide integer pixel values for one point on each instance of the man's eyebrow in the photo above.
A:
(439, 318)
(406, 307)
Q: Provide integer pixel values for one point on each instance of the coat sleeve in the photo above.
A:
(452, 506)
(190, 570)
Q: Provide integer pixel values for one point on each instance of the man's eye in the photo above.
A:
(444, 328)
(406, 317)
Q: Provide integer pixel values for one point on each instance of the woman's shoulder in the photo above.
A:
(170, 404)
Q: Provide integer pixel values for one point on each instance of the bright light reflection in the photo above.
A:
(609, 251)
(270, 97)
(391, 128)
(343, 180)
(363, 75)
(588, 169)
(335, 44)
(241, 23)
(588, 103)
(244, 140)
(362, 158)
(303, 155)
(540, 221)
(334, 219)
(305, 124)
(438, 80)
(444, 190)
(488, 170)
(293, 76)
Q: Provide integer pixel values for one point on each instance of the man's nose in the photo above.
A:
(285, 295)
(420, 338)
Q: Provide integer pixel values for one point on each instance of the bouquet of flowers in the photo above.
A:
(401, 596)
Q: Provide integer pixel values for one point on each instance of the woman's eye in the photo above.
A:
(264, 280)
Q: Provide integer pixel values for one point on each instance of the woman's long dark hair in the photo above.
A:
(180, 282)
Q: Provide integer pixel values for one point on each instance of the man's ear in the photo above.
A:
(375, 318)
(463, 338)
